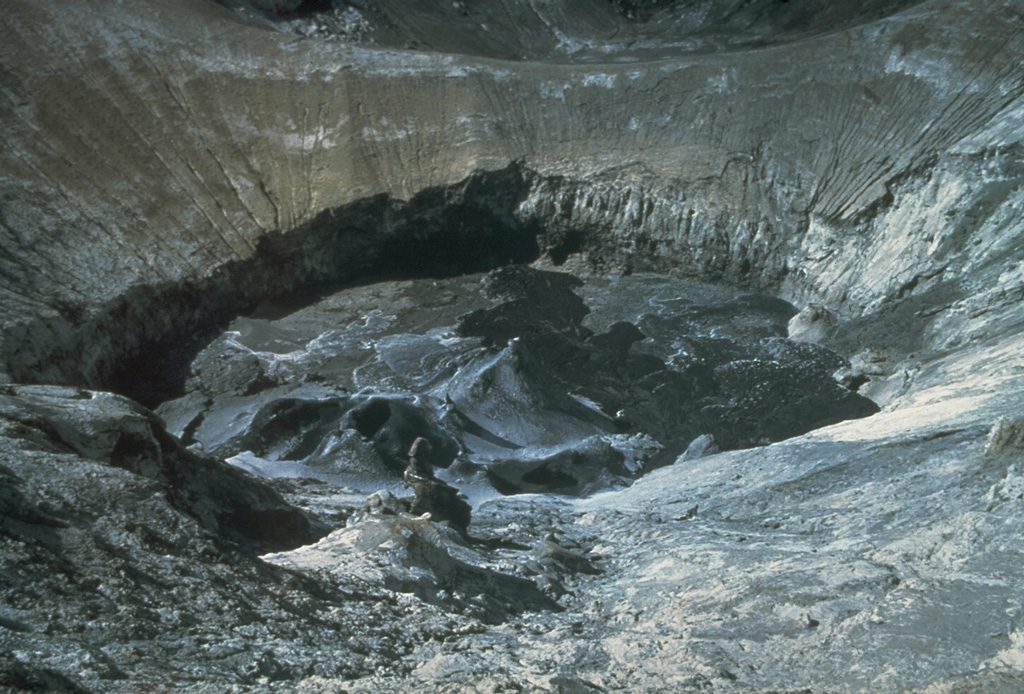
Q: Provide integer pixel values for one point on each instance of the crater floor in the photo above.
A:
(517, 384)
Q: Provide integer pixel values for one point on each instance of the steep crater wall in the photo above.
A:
(596, 31)
(192, 185)
(141, 342)
(907, 281)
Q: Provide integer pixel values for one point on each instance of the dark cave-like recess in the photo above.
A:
(441, 232)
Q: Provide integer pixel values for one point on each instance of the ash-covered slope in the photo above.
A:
(167, 166)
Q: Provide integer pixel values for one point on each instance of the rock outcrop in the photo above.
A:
(114, 431)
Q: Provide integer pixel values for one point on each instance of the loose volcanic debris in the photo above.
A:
(518, 396)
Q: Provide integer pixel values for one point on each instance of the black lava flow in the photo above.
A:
(514, 392)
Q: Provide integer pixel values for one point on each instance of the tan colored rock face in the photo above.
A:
(147, 147)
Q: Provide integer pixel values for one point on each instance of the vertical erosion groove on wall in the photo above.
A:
(611, 227)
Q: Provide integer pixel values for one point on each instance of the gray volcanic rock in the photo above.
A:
(815, 323)
(520, 395)
(114, 431)
(118, 560)
(425, 559)
(132, 568)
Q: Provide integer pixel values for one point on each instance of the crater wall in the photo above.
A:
(150, 150)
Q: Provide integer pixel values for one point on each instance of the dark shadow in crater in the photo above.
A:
(297, 429)
(440, 232)
(546, 477)
(311, 7)
(601, 30)
(372, 418)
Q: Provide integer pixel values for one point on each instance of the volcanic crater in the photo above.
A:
(707, 311)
